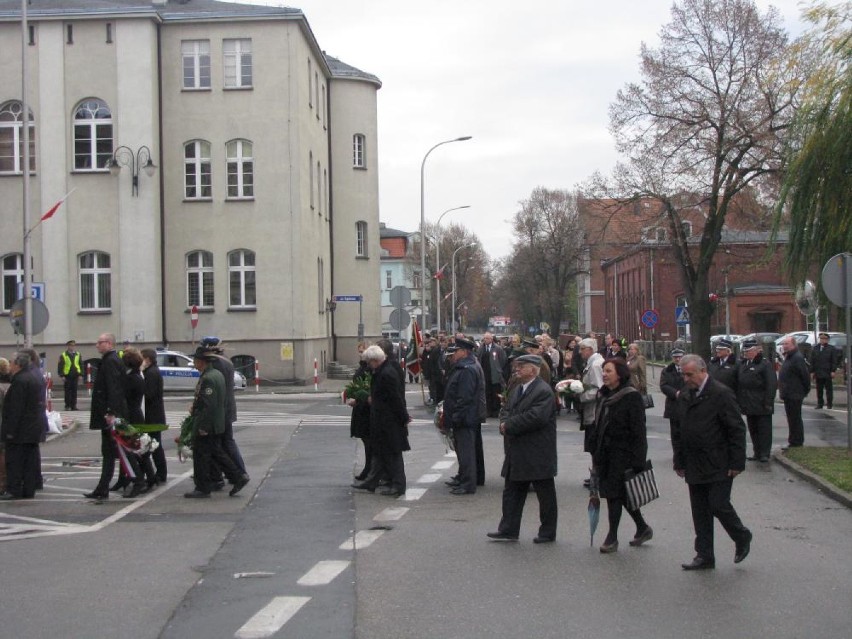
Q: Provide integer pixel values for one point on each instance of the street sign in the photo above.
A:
(347, 298)
(17, 313)
(36, 291)
(399, 319)
(400, 296)
(681, 315)
(837, 279)
(650, 318)
(193, 316)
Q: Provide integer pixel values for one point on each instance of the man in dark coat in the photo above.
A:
(493, 361)
(794, 384)
(107, 395)
(723, 365)
(70, 369)
(155, 409)
(709, 451)
(528, 426)
(825, 360)
(756, 388)
(671, 383)
(461, 413)
(22, 428)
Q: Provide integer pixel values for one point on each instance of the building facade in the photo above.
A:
(262, 202)
(400, 269)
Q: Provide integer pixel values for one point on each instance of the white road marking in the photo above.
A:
(323, 573)
(361, 539)
(412, 494)
(393, 513)
(269, 619)
(451, 453)
(442, 465)
(429, 478)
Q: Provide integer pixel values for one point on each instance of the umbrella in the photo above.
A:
(594, 507)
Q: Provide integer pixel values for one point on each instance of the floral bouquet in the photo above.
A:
(569, 389)
(358, 389)
(184, 440)
(444, 431)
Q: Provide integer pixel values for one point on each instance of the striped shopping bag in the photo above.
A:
(641, 488)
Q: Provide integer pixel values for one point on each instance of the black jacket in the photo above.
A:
(794, 380)
(224, 366)
(756, 386)
(134, 394)
(724, 370)
(388, 414)
(671, 381)
(155, 410)
(530, 438)
(461, 399)
(620, 441)
(108, 391)
(23, 408)
(709, 438)
(824, 360)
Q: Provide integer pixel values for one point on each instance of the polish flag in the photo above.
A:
(54, 208)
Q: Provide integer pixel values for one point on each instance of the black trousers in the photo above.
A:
(70, 390)
(480, 455)
(229, 445)
(108, 454)
(760, 430)
(22, 469)
(826, 385)
(387, 463)
(206, 451)
(465, 441)
(793, 408)
(709, 501)
(514, 498)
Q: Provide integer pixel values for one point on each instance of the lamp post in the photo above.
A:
(124, 156)
(423, 226)
(453, 266)
(438, 258)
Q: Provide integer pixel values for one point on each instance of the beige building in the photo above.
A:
(261, 206)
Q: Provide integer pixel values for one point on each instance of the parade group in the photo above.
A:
(127, 408)
(526, 383)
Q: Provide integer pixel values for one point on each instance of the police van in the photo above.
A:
(179, 372)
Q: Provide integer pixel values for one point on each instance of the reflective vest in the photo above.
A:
(69, 361)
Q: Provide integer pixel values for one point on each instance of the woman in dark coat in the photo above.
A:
(388, 425)
(620, 444)
(155, 410)
(360, 425)
(134, 394)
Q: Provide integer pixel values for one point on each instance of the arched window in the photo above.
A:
(361, 239)
(240, 169)
(11, 273)
(95, 281)
(198, 180)
(12, 138)
(199, 279)
(359, 151)
(241, 279)
(92, 136)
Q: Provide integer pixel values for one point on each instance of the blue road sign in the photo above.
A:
(347, 298)
(650, 318)
(681, 315)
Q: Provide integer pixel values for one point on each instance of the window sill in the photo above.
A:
(359, 168)
(248, 88)
(197, 199)
(249, 198)
(90, 171)
(242, 309)
(105, 311)
(15, 173)
(196, 89)
(362, 257)
(201, 309)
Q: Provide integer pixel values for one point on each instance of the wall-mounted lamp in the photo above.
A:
(124, 156)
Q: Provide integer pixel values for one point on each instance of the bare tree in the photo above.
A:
(706, 122)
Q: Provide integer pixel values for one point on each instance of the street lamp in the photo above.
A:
(438, 258)
(124, 156)
(423, 226)
(453, 266)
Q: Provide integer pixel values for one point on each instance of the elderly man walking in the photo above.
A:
(528, 426)
(709, 451)
(22, 428)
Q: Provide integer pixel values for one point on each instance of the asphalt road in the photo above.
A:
(297, 554)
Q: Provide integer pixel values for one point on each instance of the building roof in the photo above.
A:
(385, 232)
(172, 10)
(342, 71)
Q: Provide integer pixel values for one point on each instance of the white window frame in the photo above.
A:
(359, 151)
(197, 54)
(239, 170)
(311, 176)
(95, 281)
(360, 238)
(201, 166)
(12, 137)
(237, 63)
(92, 129)
(242, 280)
(200, 286)
(389, 280)
(11, 274)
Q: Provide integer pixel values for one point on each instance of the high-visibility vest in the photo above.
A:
(68, 362)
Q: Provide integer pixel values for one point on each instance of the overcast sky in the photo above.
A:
(530, 81)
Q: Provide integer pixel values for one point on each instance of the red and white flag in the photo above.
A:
(55, 207)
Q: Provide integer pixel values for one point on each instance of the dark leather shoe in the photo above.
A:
(8, 497)
(742, 550)
(543, 540)
(609, 548)
(391, 492)
(453, 483)
(752, 458)
(217, 486)
(646, 535)
(461, 491)
(501, 536)
(95, 495)
(764, 459)
(197, 494)
(117, 486)
(362, 486)
(134, 491)
(239, 485)
(699, 563)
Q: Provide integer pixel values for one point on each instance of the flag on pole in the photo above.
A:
(55, 207)
(439, 275)
(412, 358)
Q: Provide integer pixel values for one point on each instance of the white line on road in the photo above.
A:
(412, 494)
(362, 539)
(442, 465)
(323, 573)
(269, 619)
(429, 478)
(394, 513)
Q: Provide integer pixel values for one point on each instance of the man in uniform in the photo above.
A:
(671, 383)
(723, 366)
(461, 412)
(208, 413)
(69, 370)
(825, 360)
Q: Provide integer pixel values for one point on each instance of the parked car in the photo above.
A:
(179, 372)
(806, 341)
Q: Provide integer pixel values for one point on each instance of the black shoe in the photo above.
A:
(9, 497)
(462, 491)
(96, 495)
(384, 482)
(742, 550)
(501, 536)
(699, 563)
(543, 540)
(217, 486)
(361, 476)
(609, 548)
(197, 494)
(135, 491)
(752, 458)
(640, 539)
(764, 459)
(391, 492)
(453, 483)
(117, 486)
(820, 406)
(239, 485)
(363, 486)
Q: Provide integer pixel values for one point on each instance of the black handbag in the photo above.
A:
(648, 400)
(641, 487)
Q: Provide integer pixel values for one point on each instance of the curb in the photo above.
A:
(830, 490)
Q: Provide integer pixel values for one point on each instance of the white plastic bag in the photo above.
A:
(54, 422)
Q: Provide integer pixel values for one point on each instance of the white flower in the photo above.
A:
(576, 386)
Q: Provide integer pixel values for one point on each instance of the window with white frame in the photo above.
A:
(388, 279)
(12, 138)
(92, 136)
(311, 176)
(241, 279)
(359, 148)
(11, 274)
(319, 189)
(196, 64)
(240, 169)
(237, 63)
(415, 280)
(199, 279)
(95, 281)
(198, 179)
(361, 239)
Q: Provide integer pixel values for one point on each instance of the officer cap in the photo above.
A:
(463, 342)
(748, 344)
(535, 360)
(724, 343)
(678, 352)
